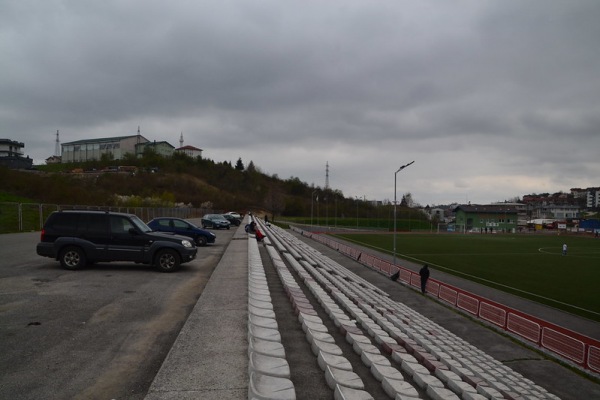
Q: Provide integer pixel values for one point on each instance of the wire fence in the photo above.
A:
(30, 217)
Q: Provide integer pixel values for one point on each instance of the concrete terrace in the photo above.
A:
(288, 318)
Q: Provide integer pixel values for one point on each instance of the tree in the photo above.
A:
(239, 165)
(407, 200)
(107, 157)
(275, 202)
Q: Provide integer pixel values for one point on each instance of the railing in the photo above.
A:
(567, 344)
(28, 217)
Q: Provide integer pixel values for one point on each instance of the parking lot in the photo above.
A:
(100, 332)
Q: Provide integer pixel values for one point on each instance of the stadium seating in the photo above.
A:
(408, 353)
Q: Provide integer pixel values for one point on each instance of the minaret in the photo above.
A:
(181, 140)
(57, 147)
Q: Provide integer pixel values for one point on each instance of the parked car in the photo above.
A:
(232, 220)
(76, 238)
(215, 221)
(181, 227)
(234, 215)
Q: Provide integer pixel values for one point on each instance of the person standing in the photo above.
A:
(564, 249)
(424, 272)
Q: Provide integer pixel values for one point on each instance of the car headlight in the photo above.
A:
(186, 243)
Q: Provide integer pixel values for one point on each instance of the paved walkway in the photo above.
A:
(210, 359)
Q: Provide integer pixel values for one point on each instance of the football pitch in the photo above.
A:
(528, 265)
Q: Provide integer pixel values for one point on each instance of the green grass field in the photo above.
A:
(530, 266)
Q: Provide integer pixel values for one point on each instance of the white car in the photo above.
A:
(234, 214)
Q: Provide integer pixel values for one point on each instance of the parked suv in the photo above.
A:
(76, 238)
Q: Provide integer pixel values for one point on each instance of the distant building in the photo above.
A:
(486, 218)
(593, 198)
(557, 211)
(436, 213)
(54, 160)
(590, 197)
(11, 155)
(190, 151)
(94, 149)
(161, 148)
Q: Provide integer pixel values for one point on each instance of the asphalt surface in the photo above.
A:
(101, 332)
(209, 359)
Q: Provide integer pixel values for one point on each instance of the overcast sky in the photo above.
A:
(491, 99)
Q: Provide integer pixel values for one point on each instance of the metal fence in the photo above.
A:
(28, 217)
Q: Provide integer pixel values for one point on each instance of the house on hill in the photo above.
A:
(11, 155)
(486, 218)
(161, 148)
(54, 160)
(190, 151)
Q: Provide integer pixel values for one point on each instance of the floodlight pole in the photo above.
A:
(395, 201)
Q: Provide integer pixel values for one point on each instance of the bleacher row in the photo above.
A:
(268, 369)
(410, 355)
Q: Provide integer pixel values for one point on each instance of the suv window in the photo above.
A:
(139, 224)
(119, 225)
(65, 222)
(94, 224)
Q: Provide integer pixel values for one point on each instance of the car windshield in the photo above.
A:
(139, 224)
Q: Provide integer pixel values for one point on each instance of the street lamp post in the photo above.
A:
(395, 201)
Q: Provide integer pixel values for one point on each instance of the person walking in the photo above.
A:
(424, 272)
(564, 249)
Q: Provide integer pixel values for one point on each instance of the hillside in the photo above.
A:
(160, 181)
(195, 182)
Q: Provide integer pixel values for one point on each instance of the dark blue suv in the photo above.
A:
(76, 238)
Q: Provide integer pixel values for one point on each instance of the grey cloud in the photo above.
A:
(471, 90)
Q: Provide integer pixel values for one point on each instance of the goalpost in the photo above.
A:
(450, 228)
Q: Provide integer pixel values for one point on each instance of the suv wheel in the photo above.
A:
(72, 258)
(200, 241)
(167, 260)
